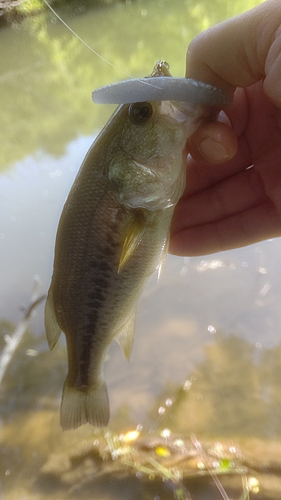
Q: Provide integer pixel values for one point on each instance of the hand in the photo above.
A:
(233, 190)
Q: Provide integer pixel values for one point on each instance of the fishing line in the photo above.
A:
(206, 461)
(90, 48)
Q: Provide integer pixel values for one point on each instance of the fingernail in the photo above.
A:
(213, 150)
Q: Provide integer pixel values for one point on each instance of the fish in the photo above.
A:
(112, 235)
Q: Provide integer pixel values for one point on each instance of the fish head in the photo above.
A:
(148, 160)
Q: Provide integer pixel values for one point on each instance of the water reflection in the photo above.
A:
(213, 403)
(47, 75)
(32, 195)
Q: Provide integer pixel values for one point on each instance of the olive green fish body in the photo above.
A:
(94, 301)
(112, 235)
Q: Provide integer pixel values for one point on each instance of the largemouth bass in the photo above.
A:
(112, 235)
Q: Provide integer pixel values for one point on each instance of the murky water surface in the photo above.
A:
(204, 376)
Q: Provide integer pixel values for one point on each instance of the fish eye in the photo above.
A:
(140, 112)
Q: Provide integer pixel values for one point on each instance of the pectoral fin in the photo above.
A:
(125, 337)
(53, 330)
(163, 256)
(131, 242)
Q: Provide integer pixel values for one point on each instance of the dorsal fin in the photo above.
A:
(53, 330)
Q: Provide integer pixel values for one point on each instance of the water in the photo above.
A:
(206, 359)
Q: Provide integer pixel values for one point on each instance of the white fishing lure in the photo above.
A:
(162, 88)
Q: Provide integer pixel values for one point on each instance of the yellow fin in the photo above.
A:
(125, 337)
(131, 242)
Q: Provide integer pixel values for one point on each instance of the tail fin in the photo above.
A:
(81, 406)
